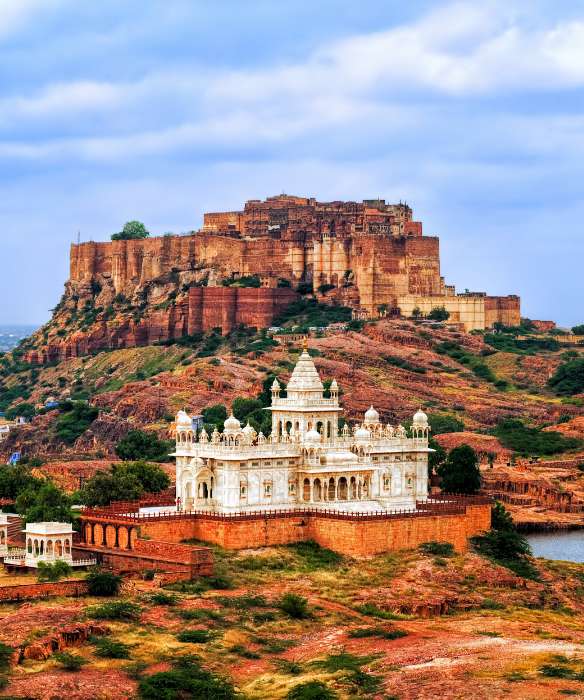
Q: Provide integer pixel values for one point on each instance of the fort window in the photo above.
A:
(267, 488)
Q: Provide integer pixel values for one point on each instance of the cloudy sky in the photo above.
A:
(161, 109)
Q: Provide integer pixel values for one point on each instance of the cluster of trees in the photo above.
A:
(437, 313)
(568, 379)
(525, 440)
(127, 481)
(38, 500)
(133, 230)
(139, 445)
(578, 330)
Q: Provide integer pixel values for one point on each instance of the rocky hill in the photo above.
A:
(396, 365)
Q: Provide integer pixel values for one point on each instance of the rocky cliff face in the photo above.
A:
(128, 294)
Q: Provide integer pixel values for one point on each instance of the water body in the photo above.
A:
(11, 335)
(566, 545)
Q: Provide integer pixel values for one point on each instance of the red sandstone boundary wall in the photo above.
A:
(28, 591)
(351, 536)
(227, 307)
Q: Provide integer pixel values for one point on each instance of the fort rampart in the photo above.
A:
(353, 534)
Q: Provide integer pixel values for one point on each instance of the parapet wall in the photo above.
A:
(505, 310)
(33, 591)
(353, 536)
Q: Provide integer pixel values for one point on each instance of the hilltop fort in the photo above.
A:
(244, 267)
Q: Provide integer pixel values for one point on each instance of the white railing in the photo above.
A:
(303, 403)
(292, 449)
(83, 562)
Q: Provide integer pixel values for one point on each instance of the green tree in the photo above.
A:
(568, 379)
(460, 471)
(417, 312)
(215, 416)
(55, 571)
(139, 445)
(439, 313)
(14, 480)
(128, 481)
(504, 544)
(106, 487)
(133, 230)
(578, 330)
(103, 583)
(436, 458)
(243, 407)
(445, 423)
(45, 503)
(152, 478)
(24, 410)
(311, 690)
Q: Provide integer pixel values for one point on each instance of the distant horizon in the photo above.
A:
(469, 112)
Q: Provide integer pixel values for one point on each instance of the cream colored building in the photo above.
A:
(306, 460)
(3, 535)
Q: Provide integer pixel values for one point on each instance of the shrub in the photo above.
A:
(504, 545)
(111, 649)
(374, 611)
(103, 583)
(162, 598)
(439, 313)
(316, 557)
(311, 690)
(294, 606)
(404, 364)
(70, 662)
(568, 379)
(245, 653)
(194, 636)
(186, 680)
(440, 549)
(6, 653)
(365, 632)
(74, 419)
(53, 571)
(116, 610)
(515, 435)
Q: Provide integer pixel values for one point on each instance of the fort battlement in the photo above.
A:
(368, 255)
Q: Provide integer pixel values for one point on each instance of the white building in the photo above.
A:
(48, 542)
(305, 461)
(3, 535)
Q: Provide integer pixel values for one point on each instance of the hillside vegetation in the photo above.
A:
(474, 382)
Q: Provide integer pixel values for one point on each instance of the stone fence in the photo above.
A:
(30, 591)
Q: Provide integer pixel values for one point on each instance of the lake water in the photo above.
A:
(567, 545)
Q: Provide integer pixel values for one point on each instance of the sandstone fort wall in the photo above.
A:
(351, 536)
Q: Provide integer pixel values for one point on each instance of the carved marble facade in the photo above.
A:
(306, 460)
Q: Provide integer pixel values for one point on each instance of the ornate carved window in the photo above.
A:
(291, 487)
(267, 488)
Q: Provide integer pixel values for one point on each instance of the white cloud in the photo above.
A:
(14, 14)
(359, 83)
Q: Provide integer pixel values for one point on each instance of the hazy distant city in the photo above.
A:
(10, 336)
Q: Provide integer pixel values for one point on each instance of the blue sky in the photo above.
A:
(159, 110)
